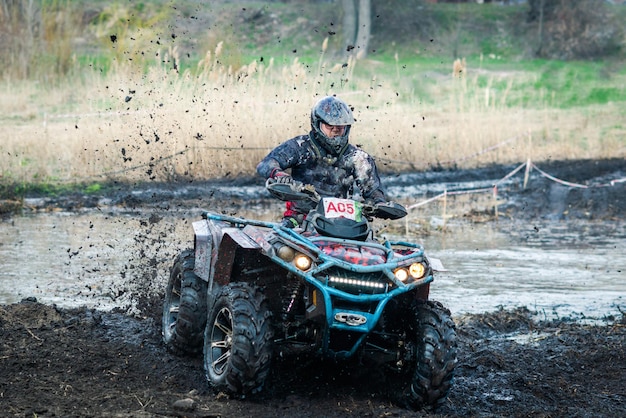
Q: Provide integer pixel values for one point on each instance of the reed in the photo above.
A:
(217, 120)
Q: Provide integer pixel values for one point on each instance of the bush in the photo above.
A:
(36, 38)
(575, 29)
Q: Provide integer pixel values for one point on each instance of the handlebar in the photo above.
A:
(297, 191)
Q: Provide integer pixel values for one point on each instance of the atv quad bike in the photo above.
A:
(250, 289)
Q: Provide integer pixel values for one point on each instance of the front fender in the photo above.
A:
(208, 236)
(233, 240)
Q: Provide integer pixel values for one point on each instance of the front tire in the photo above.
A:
(238, 340)
(184, 308)
(430, 356)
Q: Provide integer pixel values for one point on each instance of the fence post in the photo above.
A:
(527, 172)
(529, 152)
(406, 224)
(495, 201)
(445, 204)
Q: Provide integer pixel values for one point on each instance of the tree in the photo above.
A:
(574, 29)
(357, 26)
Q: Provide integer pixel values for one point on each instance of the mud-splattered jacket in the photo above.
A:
(331, 175)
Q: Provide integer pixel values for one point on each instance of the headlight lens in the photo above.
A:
(401, 274)
(414, 271)
(417, 270)
(302, 262)
(286, 253)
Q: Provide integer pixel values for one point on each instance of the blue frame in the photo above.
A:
(324, 262)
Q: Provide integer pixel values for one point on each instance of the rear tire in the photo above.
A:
(184, 308)
(238, 340)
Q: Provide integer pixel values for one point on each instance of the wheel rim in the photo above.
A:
(173, 307)
(221, 341)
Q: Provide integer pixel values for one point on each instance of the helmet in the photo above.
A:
(332, 111)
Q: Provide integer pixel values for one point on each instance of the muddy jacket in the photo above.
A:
(331, 175)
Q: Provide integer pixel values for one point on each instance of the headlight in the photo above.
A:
(401, 274)
(286, 253)
(417, 270)
(302, 262)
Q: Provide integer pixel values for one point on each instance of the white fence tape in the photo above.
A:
(529, 166)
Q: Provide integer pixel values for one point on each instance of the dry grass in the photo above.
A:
(216, 122)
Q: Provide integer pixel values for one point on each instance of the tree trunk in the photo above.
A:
(364, 28)
(540, 35)
(349, 25)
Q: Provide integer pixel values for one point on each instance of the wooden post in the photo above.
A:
(406, 225)
(495, 201)
(529, 152)
(445, 204)
(527, 172)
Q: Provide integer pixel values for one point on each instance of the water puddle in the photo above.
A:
(554, 269)
(100, 259)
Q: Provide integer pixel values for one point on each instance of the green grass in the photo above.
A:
(48, 187)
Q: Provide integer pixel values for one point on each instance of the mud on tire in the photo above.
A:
(238, 340)
(184, 308)
(431, 356)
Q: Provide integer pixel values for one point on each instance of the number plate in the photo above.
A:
(342, 208)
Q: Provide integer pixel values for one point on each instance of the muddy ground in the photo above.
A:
(597, 199)
(80, 362)
(83, 362)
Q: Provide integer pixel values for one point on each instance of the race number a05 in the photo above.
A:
(342, 208)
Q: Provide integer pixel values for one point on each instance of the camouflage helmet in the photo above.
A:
(331, 111)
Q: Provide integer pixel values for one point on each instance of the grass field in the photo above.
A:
(139, 110)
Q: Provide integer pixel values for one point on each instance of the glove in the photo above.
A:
(282, 177)
(286, 179)
(390, 210)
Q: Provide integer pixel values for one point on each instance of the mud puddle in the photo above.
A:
(574, 271)
(105, 260)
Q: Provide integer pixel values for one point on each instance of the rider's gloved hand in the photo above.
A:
(285, 179)
(390, 210)
(388, 205)
(282, 177)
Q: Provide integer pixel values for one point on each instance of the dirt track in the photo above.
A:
(88, 363)
(81, 362)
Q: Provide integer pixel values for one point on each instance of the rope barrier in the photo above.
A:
(529, 165)
(47, 117)
(566, 183)
(512, 173)
(426, 201)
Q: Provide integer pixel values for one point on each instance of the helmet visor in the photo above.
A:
(333, 130)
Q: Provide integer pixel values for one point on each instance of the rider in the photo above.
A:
(324, 159)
